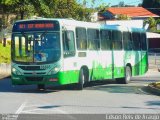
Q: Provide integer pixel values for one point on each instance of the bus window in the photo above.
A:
(127, 41)
(81, 38)
(116, 40)
(22, 47)
(68, 43)
(93, 39)
(143, 41)
(136, 41)
(105, 39)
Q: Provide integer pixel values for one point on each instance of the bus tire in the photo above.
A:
(41, 87)
(128, 75)
(81, 80)
(127, 78)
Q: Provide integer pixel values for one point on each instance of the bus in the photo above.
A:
(65, 51)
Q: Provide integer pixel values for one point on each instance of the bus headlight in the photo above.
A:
(15, 71)
(54, 70)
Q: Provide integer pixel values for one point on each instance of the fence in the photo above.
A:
(154, 60)
(5, 69)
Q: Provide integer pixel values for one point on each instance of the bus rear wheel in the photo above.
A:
(127, 77)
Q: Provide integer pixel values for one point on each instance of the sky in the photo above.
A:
(112, 2)
(128, 2)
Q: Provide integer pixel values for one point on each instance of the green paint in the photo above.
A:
(68, 77)
(141, 67)
(97, 73)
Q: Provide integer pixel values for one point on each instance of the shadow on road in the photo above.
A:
(6, 86)
(106, 86)
(153, 103)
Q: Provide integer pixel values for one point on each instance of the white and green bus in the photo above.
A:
(65, 51)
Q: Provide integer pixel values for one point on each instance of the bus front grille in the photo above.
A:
(30, 67)
(34, 78)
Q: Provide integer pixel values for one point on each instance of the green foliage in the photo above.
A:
(151, 3)
(152, 23)
(46, 8)
(8, 42)
(123, 17)
(5, 56)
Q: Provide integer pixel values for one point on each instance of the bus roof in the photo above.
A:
(69, 22)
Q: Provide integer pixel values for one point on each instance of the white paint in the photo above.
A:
(55, 110)
(20, 109)
(127, 23)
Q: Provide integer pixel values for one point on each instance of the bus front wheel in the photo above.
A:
(81, 80)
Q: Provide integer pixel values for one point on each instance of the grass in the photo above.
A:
(156, 85)
(5, 54)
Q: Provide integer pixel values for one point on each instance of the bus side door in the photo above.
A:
(69, 74)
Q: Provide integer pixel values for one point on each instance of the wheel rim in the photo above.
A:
(128, 74)
(82, 77)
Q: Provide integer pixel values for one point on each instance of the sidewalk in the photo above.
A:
(4, 76)
(5, 70)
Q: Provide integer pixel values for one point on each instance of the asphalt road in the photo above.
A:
(97, 98)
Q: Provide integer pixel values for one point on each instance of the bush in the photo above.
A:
(8, 42)
(5, 54)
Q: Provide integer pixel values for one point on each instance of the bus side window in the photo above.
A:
(93, 39)
(116, 40)
(143, 41)
(81, 38)
(68, 43)
(105, 39)
(127, 41)
(136, 41)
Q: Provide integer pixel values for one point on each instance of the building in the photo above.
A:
(134, 13)
(153, 40)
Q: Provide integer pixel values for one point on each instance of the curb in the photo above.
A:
(6, 76)
(153, 89)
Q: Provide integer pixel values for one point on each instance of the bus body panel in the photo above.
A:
(101, 64)
(118, 58)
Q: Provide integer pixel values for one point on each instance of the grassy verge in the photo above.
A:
(156, 85)
(5, 54)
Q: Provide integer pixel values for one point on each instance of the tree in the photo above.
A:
(151, 3)
(46, 8)
(121, 4)
(123, 17)
(152, 24)
(62, 9)
(18, 7)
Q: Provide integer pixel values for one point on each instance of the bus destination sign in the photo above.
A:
(36, 26)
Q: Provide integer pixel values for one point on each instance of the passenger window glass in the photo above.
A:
(127, 41)
(143, 41)
(68, 43)
(81, 39)
(105, 40)
(136, 41)
(116, 40)
(93, 39)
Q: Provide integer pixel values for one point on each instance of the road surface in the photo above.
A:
(97, 98)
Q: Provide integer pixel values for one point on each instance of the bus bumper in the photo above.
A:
(29, 80)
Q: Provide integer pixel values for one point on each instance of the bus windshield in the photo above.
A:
(36, 47)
